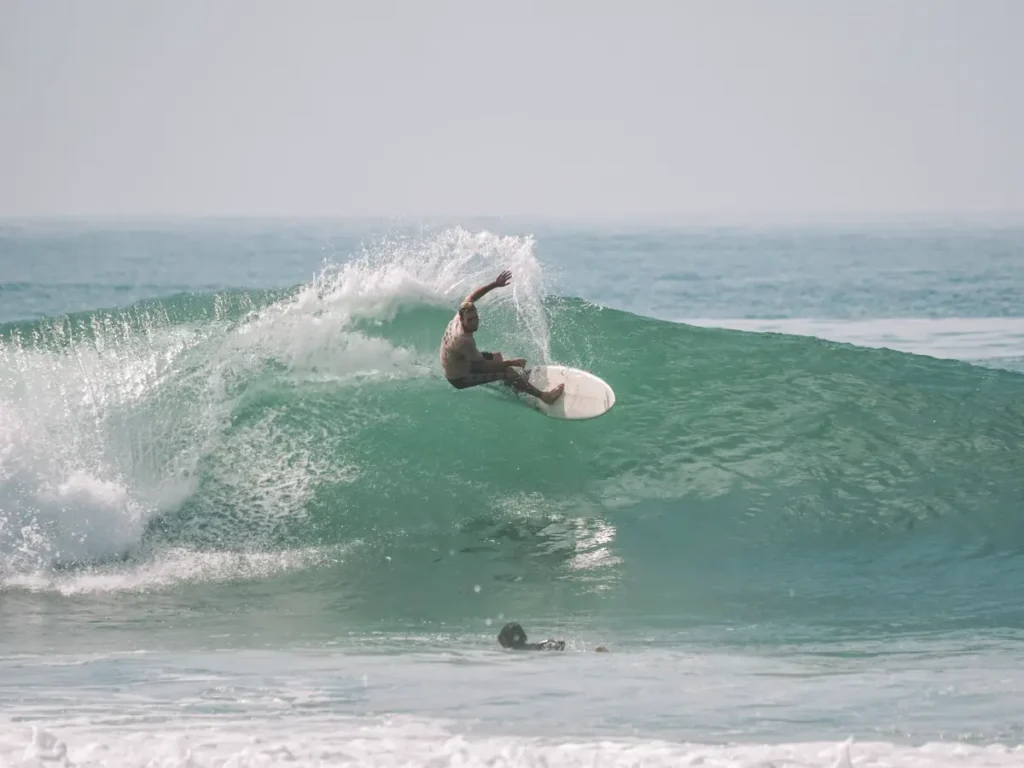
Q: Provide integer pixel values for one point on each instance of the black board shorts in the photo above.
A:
(476, 379)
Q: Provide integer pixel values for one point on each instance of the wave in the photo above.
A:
(996, 342)
(282, 424)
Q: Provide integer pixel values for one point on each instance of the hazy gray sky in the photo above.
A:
(639, 108)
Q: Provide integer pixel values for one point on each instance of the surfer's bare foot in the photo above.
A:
(552, 395)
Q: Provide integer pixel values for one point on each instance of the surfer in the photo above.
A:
(466, 366)
(513, 636)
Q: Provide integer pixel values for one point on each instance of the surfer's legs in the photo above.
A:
(520, 383)
(476, 379)
(510, 377)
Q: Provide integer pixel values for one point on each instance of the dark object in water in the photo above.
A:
(513, 636)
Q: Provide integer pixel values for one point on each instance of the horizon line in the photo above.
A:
(692, 218)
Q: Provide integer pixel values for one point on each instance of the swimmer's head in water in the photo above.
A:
(512, 635)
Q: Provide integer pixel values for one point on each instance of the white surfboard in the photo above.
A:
(585, 397)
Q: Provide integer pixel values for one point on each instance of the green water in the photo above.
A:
(729, 458)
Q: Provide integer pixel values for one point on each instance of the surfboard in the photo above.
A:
(586, 396)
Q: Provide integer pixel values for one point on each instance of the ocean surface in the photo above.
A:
(244, 521)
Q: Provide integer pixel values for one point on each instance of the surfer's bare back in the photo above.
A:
(466, 366)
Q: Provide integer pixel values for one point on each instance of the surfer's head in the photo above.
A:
(468, 315)
(512, 635)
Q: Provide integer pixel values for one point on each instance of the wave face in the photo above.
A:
(307, 435)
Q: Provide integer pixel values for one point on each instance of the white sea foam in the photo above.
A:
(107, 425)
(409, 742)
(171, 567)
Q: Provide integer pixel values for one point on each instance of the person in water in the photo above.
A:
(466, 366)
(513, 636)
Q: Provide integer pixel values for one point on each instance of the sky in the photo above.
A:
(646, 109)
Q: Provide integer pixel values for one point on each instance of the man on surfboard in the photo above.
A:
(466, 366)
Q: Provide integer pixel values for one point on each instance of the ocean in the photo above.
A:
(244, 521)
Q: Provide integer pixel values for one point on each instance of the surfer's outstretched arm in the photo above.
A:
(499, 282)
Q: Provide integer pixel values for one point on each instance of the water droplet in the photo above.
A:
(476, 587)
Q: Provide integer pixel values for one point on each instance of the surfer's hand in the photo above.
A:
(499, 282)
(517, 362)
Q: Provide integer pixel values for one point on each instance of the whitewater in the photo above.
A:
(245, 521)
